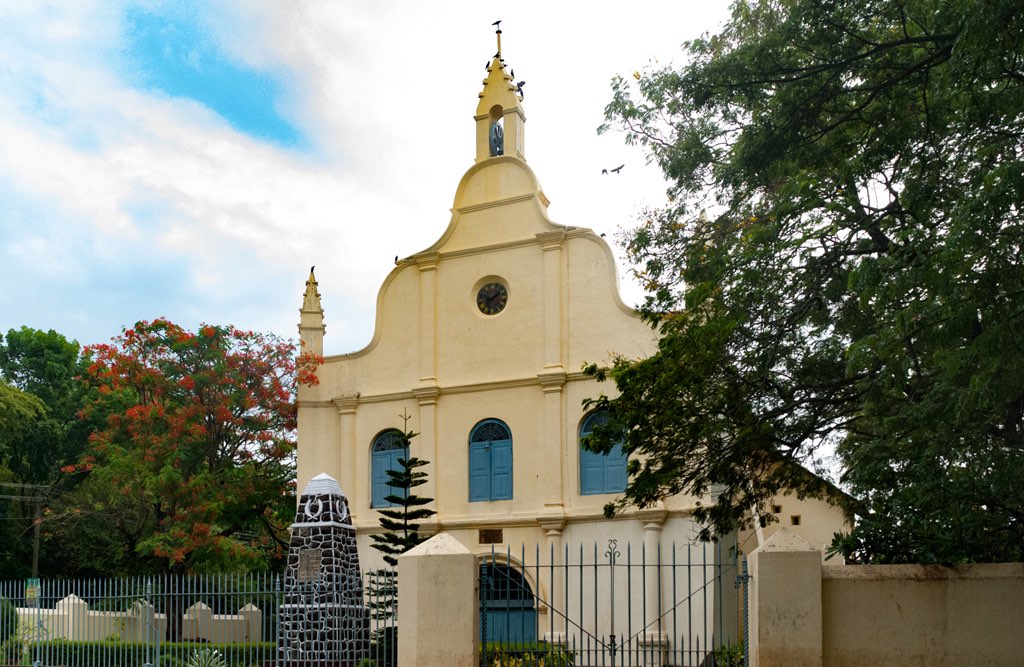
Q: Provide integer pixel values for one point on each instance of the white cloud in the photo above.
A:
(384, 91)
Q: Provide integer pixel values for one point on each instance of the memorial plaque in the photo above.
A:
(491, 536)
(309, 565)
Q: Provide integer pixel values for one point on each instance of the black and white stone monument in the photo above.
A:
(323, 619)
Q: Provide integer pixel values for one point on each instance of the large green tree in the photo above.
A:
(45, 366)
(857, 282)
(19, 413)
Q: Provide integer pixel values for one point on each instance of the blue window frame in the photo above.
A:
(490, 461)
(507, 609)
(600, 473)
(387, 448)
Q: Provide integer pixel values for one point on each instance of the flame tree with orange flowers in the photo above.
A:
(197, 442)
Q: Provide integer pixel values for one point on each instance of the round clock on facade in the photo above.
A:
(491, 298)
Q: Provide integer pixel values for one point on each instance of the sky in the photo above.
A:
(192, 160)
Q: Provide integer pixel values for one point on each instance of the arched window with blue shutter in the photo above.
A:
(490, 461)
(387, 448)
(600, 473)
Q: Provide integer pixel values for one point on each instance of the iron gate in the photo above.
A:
(675, 605)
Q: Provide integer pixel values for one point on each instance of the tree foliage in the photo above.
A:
(45, 365)
(196, 449)
(856, 282)
(401, 521)
(18, 411)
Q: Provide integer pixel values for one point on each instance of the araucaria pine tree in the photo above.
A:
(400, 521)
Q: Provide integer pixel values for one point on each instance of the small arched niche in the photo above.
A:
(496, 130)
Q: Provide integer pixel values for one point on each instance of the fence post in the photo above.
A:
(253, 616)
(438, 605)
(73, 611)
(785, 603)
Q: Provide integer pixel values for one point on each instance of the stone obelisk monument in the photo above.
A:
(323, 619)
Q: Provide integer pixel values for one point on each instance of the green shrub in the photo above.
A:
(533, 654)
(206, 657)
(172, 654)
(730, 655)
(8, 620)
(12, 651)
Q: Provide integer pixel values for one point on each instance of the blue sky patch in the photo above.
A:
(174, 52)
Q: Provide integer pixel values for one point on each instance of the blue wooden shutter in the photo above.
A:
(591, 472)
(381, 463)
(501, 470)
(379, 478)
(600, 473)
(479, 471)
(615, 470)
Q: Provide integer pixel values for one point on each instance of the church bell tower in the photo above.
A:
(499, 114)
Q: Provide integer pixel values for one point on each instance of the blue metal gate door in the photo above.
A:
(507, 611)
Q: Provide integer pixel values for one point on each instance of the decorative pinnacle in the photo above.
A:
(311, 298)
(497, 32)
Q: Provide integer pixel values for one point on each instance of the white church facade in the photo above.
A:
(481, 338)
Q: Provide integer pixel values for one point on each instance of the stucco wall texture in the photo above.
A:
(922, 614)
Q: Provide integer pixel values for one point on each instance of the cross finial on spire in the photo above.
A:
(497, 31)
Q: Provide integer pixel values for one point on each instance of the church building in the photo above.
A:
(480, 339)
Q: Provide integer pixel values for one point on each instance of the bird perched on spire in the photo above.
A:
(497, 24)
(311, 268)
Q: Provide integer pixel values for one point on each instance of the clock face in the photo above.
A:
(491, 298)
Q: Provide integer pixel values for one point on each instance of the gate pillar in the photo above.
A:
(439, 607)
(785, 603)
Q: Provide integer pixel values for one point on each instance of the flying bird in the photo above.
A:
(618, 169)
(519, 88)
(604, 172)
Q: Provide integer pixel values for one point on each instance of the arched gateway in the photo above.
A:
(507, 609)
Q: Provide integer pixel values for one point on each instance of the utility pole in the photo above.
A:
(36, 529)
(39, 494)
